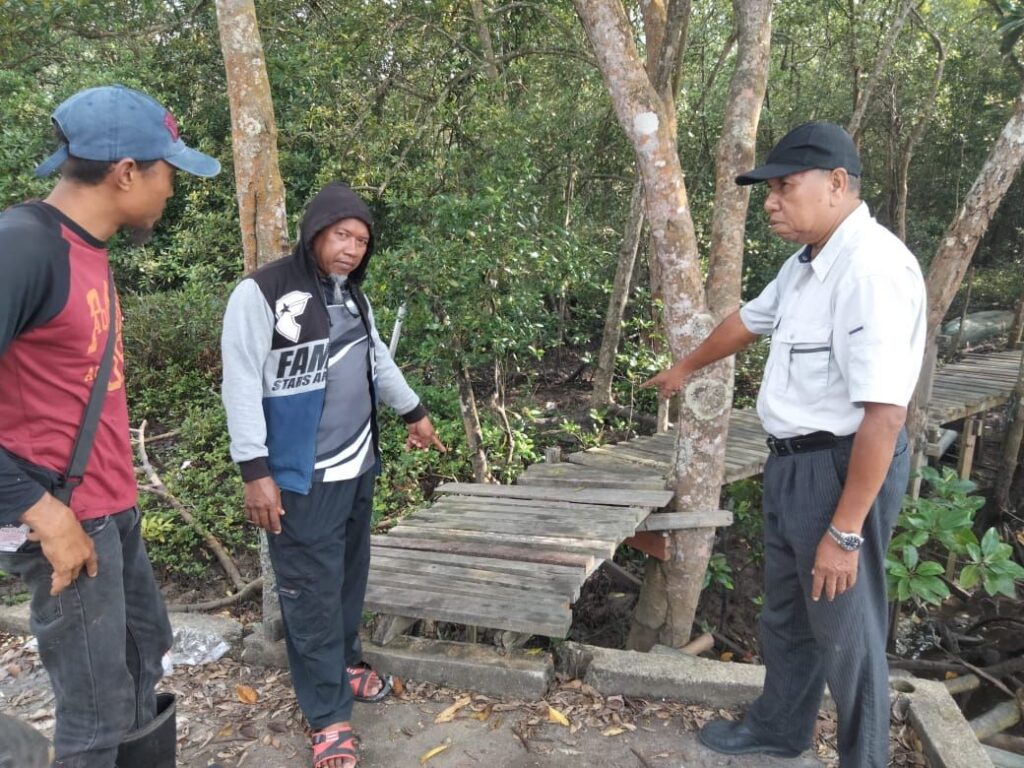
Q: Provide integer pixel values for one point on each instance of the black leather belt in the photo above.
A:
(816, 441)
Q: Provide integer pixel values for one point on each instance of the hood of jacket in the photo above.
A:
(334, 202)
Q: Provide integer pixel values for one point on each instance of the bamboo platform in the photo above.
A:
(515, 557)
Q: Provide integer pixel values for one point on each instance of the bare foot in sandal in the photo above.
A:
(335, 747)
(367, 685)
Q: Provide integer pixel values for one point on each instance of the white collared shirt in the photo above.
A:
(847, 328)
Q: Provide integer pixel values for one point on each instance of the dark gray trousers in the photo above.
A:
(322, 559)
(102, 640)
(805, 644)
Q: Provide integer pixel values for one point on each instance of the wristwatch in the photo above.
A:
(851, 542)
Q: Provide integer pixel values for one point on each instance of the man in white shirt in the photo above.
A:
(846, 314)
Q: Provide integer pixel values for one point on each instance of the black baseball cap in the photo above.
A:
(811, 145)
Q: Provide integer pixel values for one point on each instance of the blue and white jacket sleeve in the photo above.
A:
(391, 384)
(245, 346)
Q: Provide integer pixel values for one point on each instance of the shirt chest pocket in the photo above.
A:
(805, 356)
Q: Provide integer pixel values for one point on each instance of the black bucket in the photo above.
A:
(155, 744)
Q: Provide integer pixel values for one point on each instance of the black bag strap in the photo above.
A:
(91, 417)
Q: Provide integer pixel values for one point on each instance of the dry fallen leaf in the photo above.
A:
(483, 714)
(612, 731)
(726, 656)
(245, 694)
(433, 753)
(449, 714)
(397, 686)
(554, 716)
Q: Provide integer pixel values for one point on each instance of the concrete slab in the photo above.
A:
(947, 739)
(259, 650)
(508, 674)
(14, 619)
(670, 676)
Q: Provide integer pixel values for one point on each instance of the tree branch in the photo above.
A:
(157, 487)
(250, 589)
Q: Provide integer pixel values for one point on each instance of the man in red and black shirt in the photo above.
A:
(102, 633)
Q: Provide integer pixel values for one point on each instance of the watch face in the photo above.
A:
(851, 542)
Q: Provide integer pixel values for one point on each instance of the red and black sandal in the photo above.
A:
(335, 744)
(361, 679)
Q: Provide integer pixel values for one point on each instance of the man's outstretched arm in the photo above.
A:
(728, 338)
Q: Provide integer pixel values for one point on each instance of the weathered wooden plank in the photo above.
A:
(568, 507)
(741, 473)
(527, 517)
(492, 564)
(498, 524)
(675, 521)
(632, 457)
(515, 553)
(440, 584)
(412, 569)
(554, 481)
(598, 461)
(601, 496)
(577, 470)
(561, 544)
(496, 569)
(745, 450)
(734, 461)
(425, 604)
(649, 450)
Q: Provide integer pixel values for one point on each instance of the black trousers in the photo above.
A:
(321, 560)
(804, 643)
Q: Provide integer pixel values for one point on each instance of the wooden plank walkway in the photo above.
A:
(504, 557)
(515, 557)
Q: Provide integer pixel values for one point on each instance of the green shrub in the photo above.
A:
(172, 351)
(940, 526)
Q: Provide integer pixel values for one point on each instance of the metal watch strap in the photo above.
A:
(851, 542)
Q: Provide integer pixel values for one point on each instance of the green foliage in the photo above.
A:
(941, 525)
(992, 565)
(719, 572)
(993, 288)
(743, 497)
(601, 429)
(749, 372)
(944, 517)
(911, 577)
(196, 468)
(172, 351)
(642, 354)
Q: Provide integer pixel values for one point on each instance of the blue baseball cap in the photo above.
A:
(112, 122)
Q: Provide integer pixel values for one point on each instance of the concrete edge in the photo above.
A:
(14, 619)
(946, 737)
(492, 671)
(507, 674)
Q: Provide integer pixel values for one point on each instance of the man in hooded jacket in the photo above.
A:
(304, 368)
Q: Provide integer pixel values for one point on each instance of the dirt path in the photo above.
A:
(236, 715)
